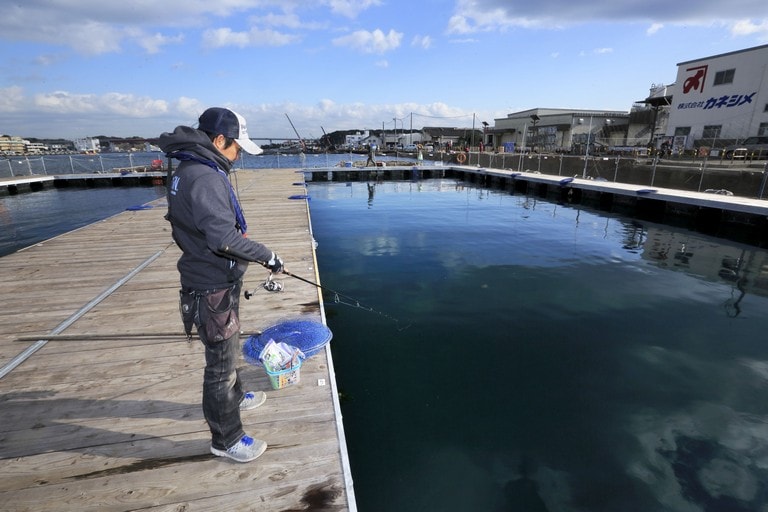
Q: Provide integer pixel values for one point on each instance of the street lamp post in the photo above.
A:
(586, 150)
(534, 134)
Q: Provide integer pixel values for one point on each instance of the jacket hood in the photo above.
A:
(185, 139)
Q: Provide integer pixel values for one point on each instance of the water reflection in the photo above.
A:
(743, 267)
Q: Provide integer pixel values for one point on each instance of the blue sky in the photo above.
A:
(73, 68)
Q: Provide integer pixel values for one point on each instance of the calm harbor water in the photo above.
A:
(544, 357)
(29, 218)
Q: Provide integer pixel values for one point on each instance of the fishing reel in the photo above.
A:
(269, 284)
(272, 286)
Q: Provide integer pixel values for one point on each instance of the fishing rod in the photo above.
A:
(275, 286)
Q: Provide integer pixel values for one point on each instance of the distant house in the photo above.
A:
(373, 140)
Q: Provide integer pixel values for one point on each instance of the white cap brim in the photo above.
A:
(243, 140)
(249, 146)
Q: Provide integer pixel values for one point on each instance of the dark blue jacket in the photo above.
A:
(203, 214)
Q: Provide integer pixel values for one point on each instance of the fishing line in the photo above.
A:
(338, 297)
(275, 286)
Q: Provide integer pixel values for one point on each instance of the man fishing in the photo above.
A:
(209, 227)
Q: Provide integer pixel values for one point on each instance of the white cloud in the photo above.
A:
(748, 27)
(67, 114)
(459, 25)
(126, 105)
(351, 8)
(472, 16)
(370, 42)
(221, 37)
(11, 99)
(288, 20)
(655, 27)
(153, 43)
(424, 42)
(189, 106)
(94, 27)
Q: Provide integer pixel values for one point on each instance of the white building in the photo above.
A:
(87, 145)
(557, 129)
(36, 148)
(719, 99)
(354, 140)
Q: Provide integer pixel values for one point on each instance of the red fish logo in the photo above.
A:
(695, 81)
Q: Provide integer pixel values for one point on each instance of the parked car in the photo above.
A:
(409, 148)
(752, 147)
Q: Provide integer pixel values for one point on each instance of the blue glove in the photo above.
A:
(275, 264)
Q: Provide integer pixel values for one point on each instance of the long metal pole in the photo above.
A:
(394, 122)
(301, 141)
(410, 135)
(42, 341)
(586, 151)
(105, 336)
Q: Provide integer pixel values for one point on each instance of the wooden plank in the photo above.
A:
(116, 423)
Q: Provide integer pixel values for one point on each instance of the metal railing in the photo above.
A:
(30, 165)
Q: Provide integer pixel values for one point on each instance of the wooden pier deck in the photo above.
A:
(107, 416)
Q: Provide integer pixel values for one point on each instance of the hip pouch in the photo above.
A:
(188, 304)
(217, 314)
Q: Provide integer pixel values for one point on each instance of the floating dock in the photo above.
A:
(34, 183)
(101, 393)
(737, 218)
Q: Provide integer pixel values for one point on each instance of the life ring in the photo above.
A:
(461, 158)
